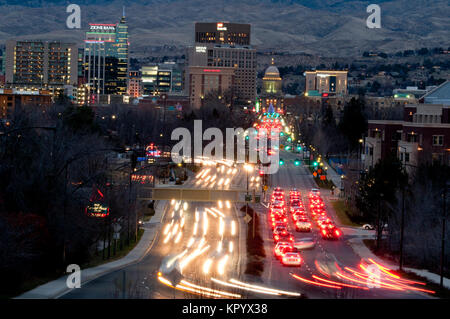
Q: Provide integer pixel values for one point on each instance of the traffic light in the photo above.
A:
(281, 134)
(296, 162)
(299, 148)
(289, 139)
(315, 164)
(261, 172)
(281, 161)
(287, 148)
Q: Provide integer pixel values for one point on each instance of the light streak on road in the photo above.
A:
(166, 240)
(220, 204)
(185, 206)
(230, 247)
(175, 229)
(192, 256)
(278, 291)
(228, 204)
(182, 222)
(227, 182)
(191, 242)
(177, 239)
(224, 283)
(338, 283)
(195, 229)
(218, 212)
(207, 265)
(206, 291)
(221, 227)
(233, 228)
(205, 223)
(172, 202)
(210, 212)
(192, 288)
(220, 182)
(221, 265)
(314, 282)
(171, 261)
(219, 247)
(167, 228)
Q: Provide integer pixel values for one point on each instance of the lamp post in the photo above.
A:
(249, 168)
(402, 222)
(444, 216)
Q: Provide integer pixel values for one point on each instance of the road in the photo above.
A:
(206, 251)
(326, 252)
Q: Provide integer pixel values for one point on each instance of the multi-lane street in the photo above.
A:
(328, 254)
(198, 250)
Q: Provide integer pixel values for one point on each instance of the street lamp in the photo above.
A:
(402, 222)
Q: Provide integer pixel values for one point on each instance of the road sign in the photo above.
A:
(257, 198)
(247, 218)
(248, 198)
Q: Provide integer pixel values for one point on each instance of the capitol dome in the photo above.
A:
(272, 71)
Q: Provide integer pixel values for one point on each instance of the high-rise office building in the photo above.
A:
(203, 81)
(106, 58)
(37, 64)
(162, 78)
(134, 83)
(222, 33)
(241, 58)
(122, 55)
(225, 44)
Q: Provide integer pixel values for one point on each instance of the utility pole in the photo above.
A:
(402, 228)
(444, 215)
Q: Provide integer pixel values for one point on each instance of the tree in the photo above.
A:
(353, 123)
(379, 187)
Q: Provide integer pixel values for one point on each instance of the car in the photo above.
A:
(314, 192)
(283, 236)
(298, 215)
(304, 244)
(303, 225)
(291, 259)
(331, 233)
(280, 246)
(278, 223)
(372, 227)
(316, 204)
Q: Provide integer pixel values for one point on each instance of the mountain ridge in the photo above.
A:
(323, 27)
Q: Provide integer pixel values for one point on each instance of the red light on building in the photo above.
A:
(324, 94)
(211, 70)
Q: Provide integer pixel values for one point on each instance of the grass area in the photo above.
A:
(255, 247)
(97, 260)
(326, 184)
(31, 284)
(439, 293)
(345, 215)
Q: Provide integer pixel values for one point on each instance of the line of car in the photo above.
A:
(287, 249)
(327, 227)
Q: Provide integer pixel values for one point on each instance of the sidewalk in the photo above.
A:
(58, 287)
(364, 252)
